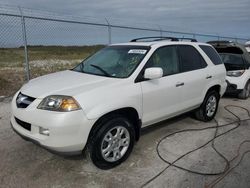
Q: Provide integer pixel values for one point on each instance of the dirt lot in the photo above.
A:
(23, 164)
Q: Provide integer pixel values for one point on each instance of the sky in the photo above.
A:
(223, 17)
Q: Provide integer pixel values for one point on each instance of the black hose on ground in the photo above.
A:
(227, 168)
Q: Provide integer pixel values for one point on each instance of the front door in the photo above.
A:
(162, 97)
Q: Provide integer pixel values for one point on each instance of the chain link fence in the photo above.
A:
(34, 42)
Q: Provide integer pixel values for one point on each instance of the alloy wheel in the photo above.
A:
(115, 143)
(211, 106)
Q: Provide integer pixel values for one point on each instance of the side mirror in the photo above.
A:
(153, 73)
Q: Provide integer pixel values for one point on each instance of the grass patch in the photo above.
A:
(14, 57)
(43, 60)
(10, 81)
(4, 83)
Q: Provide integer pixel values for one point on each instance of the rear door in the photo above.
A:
(196, 76)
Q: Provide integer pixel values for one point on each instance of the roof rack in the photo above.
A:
(144, 39)
(155, 39)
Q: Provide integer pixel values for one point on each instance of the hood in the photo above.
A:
(65, 83)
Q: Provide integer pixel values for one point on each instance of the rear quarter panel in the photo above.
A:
(218, 73)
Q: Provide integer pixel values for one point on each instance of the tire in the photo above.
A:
(245, 93)
(203, 114)
(106, 141)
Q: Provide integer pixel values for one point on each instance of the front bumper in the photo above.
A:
(63, 153)
(68, 131)
(240, 81)
(232, 88)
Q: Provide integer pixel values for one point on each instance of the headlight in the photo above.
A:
(59, 103)
(236, 73)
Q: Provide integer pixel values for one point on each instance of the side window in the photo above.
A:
(212, 54)
(190, 59)
(165, 58)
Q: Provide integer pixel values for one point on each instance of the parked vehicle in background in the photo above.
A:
(105, 101)
(247, 45)
(237, 63)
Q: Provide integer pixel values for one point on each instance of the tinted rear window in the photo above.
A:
(234, 59)
(212, 54)
(190, 58)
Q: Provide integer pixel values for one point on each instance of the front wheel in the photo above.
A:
(209, 107)
(245, 93)
(113, 143)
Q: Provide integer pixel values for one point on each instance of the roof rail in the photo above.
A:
(162, 38)
(155, 39)
(191, 39)
(220, 41)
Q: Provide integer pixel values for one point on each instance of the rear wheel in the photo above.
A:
(113, 143)
(245, 92)
(209, 107)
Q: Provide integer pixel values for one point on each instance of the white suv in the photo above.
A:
(237, 63)
(105, 101)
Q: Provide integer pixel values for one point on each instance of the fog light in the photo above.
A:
(44, 131)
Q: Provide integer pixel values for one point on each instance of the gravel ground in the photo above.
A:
(23, 164)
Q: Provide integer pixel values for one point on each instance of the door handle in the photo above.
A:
(179, 84)
(209, 76)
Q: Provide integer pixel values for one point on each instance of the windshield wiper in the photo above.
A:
(102, 70)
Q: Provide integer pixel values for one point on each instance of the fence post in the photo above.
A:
(160, 30)
(27, 68)
(109, 30)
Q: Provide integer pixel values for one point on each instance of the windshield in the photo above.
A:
(113, 61)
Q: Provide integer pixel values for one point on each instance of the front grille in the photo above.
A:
(23, 101)
(23, 124)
